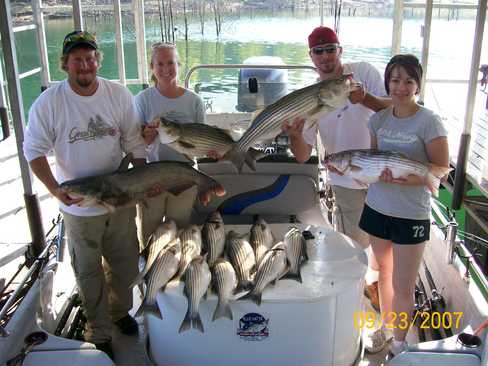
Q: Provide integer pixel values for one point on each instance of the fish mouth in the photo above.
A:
(219, 191)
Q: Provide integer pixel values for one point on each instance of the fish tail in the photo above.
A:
(293, 276)
(434, 177)
(152, 309)
(222, 310)
(254, 297)
(252, 155)
(186, 323)
(235, 156)
(197, 322)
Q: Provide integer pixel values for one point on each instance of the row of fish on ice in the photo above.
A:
(230, 262)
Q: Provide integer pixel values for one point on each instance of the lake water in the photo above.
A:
(281, 34)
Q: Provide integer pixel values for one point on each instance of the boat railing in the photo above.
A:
(244, 66)
(10, 300)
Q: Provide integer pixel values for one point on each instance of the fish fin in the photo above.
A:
(152, 309)
(139, 278)
(255, 298)
(292, 276)
(186, 323)
(179, 189)
(186, 144)
(222, 310)
(124, 164)
(252, 155)
(197, 323)
(355, 168)
(235, 157)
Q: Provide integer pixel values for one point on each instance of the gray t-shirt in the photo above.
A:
(408, 136)
(151, 104)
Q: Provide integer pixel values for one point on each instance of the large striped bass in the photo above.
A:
(200, 140)
(126, 188)
(311, 103)
(197, 279)
(366, 165)
(224, 281)
(213, 237)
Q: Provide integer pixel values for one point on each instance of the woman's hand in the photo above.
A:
(411, 180)
(150, 131)
(333, 169)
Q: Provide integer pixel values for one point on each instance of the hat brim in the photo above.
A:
(73, 45)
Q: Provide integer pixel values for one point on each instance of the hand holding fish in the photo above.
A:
(149, 131)
(411, 179)
(155, 190)
(333, 169)
(62, 194)
(357, 93)
(295, 129)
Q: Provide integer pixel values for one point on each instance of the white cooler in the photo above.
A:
(308, 324)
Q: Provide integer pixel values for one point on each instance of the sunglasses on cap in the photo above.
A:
(319, 50)
(79, 36)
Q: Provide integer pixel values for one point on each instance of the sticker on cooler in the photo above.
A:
(253, 327)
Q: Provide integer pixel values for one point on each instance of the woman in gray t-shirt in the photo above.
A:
(397, 211)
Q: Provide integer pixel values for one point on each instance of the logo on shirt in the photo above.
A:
(97, 128)
(397, 137)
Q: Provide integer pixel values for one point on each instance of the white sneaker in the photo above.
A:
(374, 341)
(397, 347)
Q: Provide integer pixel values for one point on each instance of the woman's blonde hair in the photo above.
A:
(162, 46)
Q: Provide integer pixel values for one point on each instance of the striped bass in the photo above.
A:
(242, 258)
(296, 252)
(224, 281)
(197, 279)
(191, 246)
(261, 239)
(213, 237)
(366, 165)
(162, 236)
(126, 188)
(311, 103)
(164, 268)
(273, 266)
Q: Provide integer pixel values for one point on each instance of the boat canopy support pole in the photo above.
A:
(78, 15)
(119, 42)
(451, 233)
(17, 108)
(3, 108)
(425, 46)
(140, 41)
(41, 42)
(462, 159)
(397, 27)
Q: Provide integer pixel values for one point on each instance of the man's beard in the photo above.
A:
(84, 82)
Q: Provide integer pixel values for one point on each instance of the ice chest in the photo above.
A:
(307, 324)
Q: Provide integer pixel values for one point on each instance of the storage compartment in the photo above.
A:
(297, 324)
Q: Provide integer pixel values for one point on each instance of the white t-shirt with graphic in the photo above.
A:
(88, 135)
(408, 136)
(187, 108)
(346, 128)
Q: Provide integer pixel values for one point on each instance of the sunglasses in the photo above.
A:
(327, 49)
(79, 36)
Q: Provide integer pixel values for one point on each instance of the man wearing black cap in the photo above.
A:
(346, 128)
(90, 123)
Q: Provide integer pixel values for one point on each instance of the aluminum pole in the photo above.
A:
(397, 27)
(462, 159)
(119, 42)
(77, 15)
(425, 45)
(138, 6)
(41, 42)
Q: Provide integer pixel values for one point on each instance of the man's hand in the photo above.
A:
(150, 131)
(62, 195)
(357, 93)
(154, 191)
(295, 129)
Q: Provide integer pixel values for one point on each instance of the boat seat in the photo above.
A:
(281, 189)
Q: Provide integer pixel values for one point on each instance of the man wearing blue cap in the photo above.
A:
(89, 123)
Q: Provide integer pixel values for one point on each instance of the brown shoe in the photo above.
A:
(371, 292)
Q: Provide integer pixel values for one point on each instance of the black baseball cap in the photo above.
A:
(78, 38)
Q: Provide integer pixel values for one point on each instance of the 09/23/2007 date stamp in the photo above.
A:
(426, 320)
